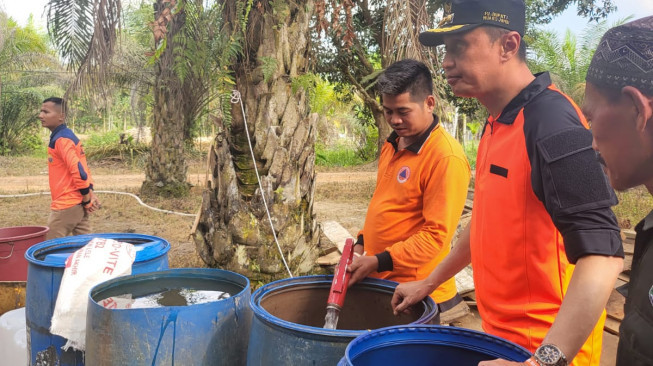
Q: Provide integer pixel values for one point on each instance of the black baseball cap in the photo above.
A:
(466, 15)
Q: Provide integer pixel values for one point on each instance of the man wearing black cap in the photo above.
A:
(619, 103)
(542, 229)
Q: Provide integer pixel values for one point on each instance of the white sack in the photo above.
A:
(98, 261)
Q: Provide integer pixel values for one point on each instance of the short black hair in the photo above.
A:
(614, 94)
(496, 32)
(407, 75)
(57, 101)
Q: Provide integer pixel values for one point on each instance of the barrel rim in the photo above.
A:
(79, 241)
(43, 230)
(418, 329)
(185, 272)
(285, 325)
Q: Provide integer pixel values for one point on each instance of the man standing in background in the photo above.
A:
(619, 104)
(71, 184)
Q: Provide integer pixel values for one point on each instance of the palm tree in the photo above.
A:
(567, 59)
(277, 175)
(22, 89)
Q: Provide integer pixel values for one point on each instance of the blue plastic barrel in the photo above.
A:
(212, 333)
(429, 345)
(287, 328)
(44, 273)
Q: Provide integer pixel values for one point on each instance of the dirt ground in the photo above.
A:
(341, 196)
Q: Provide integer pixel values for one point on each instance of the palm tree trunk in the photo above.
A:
(166, 169)
(232, 230)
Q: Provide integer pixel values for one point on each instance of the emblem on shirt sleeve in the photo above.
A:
(650, 295)
(403, 175)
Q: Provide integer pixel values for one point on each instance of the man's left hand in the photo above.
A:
(361, 267)
(94, 203)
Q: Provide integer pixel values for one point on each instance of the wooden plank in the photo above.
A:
(612, 326)
(455, 313)
(335, 233)
(465, 281)
(615, 306)
(628, 234)
(629, 248)
(628, 262)
(330, 259)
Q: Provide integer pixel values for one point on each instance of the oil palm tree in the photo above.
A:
(567, 58)
(23, 49)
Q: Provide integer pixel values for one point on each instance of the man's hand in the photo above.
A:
(361, 267)
(407, 294)
(93, 202)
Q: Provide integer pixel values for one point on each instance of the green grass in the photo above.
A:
(634, 205)
(338, 156)
(471, 149)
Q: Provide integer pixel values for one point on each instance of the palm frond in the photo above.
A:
(85, 33)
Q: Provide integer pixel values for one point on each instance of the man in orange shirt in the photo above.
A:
(421, 187)
(71, 185)
(543, 241)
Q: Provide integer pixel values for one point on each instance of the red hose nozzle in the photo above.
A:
(341, 277)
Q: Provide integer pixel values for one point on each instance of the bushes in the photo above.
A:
(116, 145)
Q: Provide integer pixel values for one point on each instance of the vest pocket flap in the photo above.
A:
(565, 143)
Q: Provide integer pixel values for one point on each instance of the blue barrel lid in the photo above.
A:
(54, 252)
(447, 337)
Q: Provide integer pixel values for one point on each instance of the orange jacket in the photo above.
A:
(68, 172)
(419, 196)
(541, 202)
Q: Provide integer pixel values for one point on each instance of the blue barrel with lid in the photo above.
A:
(426, 345)
(47, 261)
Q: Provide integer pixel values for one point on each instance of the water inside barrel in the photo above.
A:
(169, 297)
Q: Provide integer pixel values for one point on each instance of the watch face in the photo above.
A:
(548, 354)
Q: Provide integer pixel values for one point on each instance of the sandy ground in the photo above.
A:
(36, 183)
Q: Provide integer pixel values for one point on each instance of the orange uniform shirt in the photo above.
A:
(419, 197)
(68, 171)
(541, 202)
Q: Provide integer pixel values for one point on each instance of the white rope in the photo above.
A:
(235, 99)
(110, 192)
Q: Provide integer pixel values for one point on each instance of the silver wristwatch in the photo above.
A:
(550, 355)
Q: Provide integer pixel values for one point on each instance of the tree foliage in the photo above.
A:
(22, 89)
(567, 58)
(361, 37)
(84, 33)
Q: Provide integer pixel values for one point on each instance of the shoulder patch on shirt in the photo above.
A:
(650, 295)
(576, 174)
(403, 175)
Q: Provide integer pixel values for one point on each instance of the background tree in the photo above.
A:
(22, 90)
(365, 36)
(566, 58)
(232, 230)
